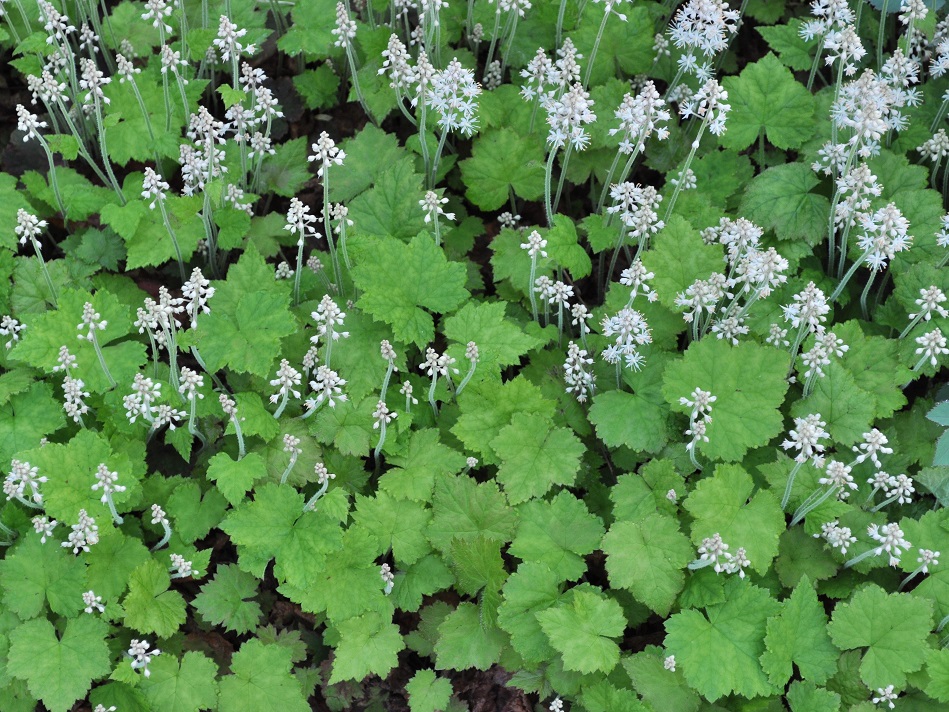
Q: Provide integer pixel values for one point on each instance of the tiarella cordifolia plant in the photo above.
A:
(671, 278)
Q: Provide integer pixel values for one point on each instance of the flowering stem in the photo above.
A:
(881, 505)
(422, 134)
(913, 574)
(431, 394)
(790, 484)
(49, 281)
(866, 292)
(382, 439)
(385, 381)
(337, 271)
(810, 78)
(438, 155)
(54, 183)
(560, 14)
(104, 149)
(115, 515)
(530, 287)
(356, 87)
(688, 164)
(466, 379)
(548, 172)
(297, 274)
(847, 277)
(494, 38)
(311, 503)
(9, 532)
(105, 368)
(563, 175)
(192, 428)
(811, 503)
(286, 472)
(861, 557)
(596, 46)
(509, 36)
(283, 404)
(174, 238)
(166, 538)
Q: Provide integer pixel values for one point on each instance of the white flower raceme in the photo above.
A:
(805, 437)
(326, 152)
(891, 540)
(432, 205)
(452, 93)
(567, 117)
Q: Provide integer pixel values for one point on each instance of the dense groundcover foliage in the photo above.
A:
(443, 355)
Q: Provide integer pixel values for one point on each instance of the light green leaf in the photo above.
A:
(557, 533)
(465, 509)
(780, 199)
(678, 257)
(390, 207)
(187, 685)
(582, 628)
(226, 600)
(648, 557)
(798, 636)
(34, 574)
(398, 524)
(428, 693)
(723, 504)
(59, 669)
(368, 645)
(149, 606)
(261, 679)
(893, 627)
(501, 161)
(401, 284)
(532, 588)
(464, 643)
(236, 477)
(847, 409)
(718, 651)
(766, 97)
(535, 455)
(749, 383)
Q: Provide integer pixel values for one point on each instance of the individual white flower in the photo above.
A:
(837, 536)
(901, 488)
(191, 381)
(931, 345)
(106, 481)
(927, 558)
(669, 663)
(885, 695)
(44, 526)
(874, 442)
(805, 437)
(326, 152)
(92, 602)
(535, 244)
(142, 656)
(382, 415)
(837, 475)
(227, 38)
(891, 540)
(12, 328)
(432, 205)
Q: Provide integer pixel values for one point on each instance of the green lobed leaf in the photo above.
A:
(59, 668)
(893, 628)
(749, 383)
(798, 636)
(428, 693)
(648, 557)
(261, 679)
(503, 161)
(732, 635)
(558, 533)
(150, 607)
(767, 98)
(402, 283)
(582, 628)
(781, 199)
(226, 600)
(185, 685)
(535, 456)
